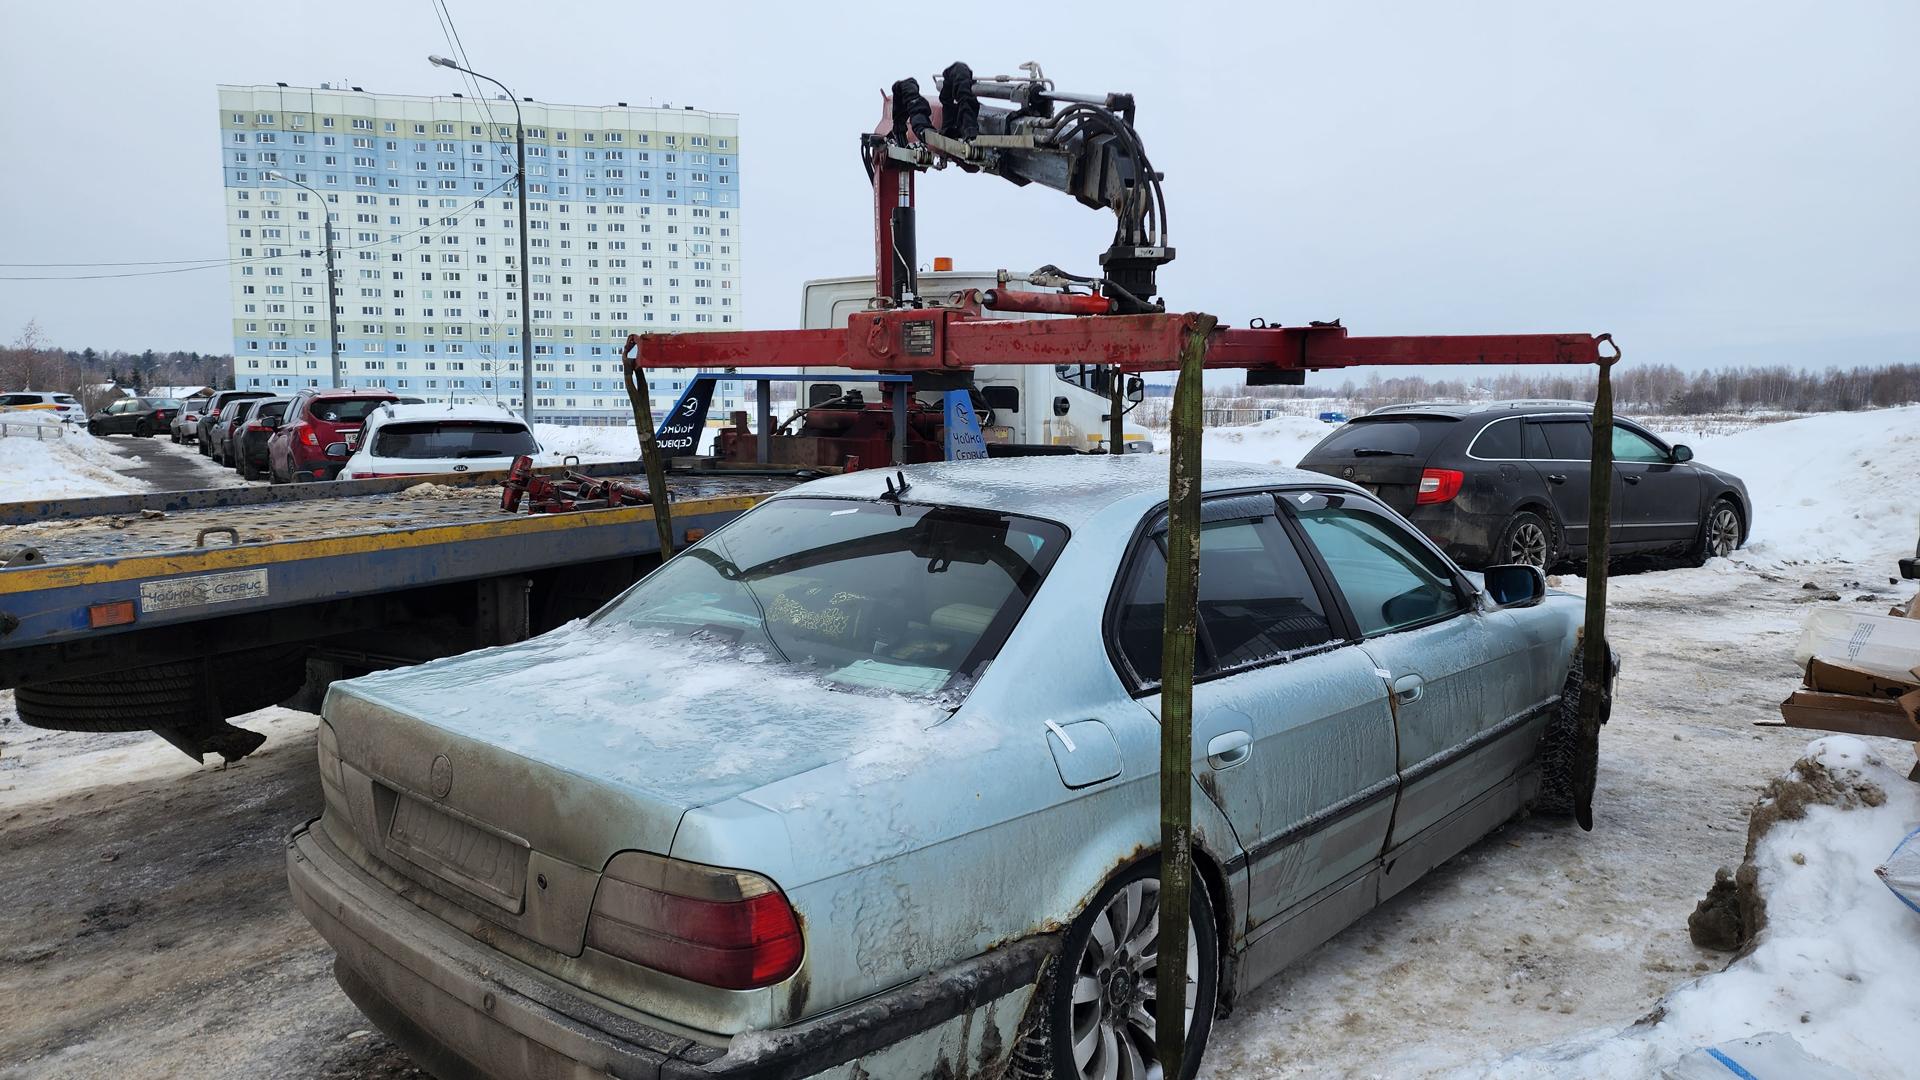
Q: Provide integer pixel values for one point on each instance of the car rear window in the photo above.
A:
(1386, 436)
(344, 410)
(453, 439)
(871, 596)
(271, 408)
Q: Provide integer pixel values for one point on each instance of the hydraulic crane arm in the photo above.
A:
(1080, 144)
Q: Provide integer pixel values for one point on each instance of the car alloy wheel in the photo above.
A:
(1114, 986)
(1528, 544)
(1723, 531)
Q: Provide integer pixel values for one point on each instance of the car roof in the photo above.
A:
(442, 410)
(1067, 488)
(1459, 410)
(347, 392)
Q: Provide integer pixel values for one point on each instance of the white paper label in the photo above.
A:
(203, 590)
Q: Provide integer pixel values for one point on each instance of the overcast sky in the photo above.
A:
(1713, 183)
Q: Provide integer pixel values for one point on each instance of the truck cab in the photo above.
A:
(1028, 405)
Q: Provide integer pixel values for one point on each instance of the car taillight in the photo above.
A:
(724, 928)
(1439, 485)
(307, 436)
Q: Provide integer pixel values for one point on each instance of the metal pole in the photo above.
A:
(333, 299)
(526, 269)
(526, 274)
(1116, 427)
(1176, 703)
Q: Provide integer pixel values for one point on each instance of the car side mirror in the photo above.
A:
(1682, 452)
(1061, 406)
(1136, 389)
(337, 450)
(1515, 585)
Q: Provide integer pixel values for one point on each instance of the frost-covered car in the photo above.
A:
(419, 440)
(865, 783)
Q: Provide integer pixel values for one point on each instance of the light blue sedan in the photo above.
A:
(865, 783)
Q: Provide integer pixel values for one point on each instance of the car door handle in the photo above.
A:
(1408, 688)
(1556, 478)
(1630, 478)
(1228, 749)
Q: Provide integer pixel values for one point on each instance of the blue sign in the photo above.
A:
(964, 442)
(679, 431)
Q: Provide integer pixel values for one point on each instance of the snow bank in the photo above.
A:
(1833, 967)
(1283, 440)
(71, 466)
(1835, 487)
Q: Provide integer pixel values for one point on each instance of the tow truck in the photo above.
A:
(175, 611)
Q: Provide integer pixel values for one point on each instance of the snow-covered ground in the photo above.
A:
(1542, 951)
(1545, 952)
(73, 465)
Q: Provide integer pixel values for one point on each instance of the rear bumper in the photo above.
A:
(463, 1010)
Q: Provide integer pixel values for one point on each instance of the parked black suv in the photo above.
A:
(1506, 482)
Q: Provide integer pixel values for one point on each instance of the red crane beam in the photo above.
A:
(960, 338)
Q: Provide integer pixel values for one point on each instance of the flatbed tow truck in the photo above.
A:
(172, 611)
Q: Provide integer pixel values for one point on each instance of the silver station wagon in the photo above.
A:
(865, 783)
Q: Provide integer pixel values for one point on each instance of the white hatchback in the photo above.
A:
(64, 406)
(420, 440)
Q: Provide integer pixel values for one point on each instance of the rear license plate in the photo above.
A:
(489, 866)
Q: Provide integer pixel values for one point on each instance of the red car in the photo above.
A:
(316, 420)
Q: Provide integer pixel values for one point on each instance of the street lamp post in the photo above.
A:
(333, 301)
(526, 273)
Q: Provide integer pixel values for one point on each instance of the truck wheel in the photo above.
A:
(1569, 756)
(1526, 538)
(183, 694)
(1099, 1018)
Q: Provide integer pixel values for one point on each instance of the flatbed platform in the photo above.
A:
(187, 570)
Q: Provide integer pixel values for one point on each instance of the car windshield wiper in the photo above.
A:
(1369, 451)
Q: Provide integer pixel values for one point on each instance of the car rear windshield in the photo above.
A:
(1385, 437)
(871, 596)
(454, 439)
(271, 408)
(344, 410)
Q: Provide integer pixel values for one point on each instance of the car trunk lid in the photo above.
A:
(1384, 454)
(562, 751)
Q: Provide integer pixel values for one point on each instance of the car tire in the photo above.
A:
(1526, 533)
(93, 428)
(1085, 963)
(174, 695)
(143, 430)
(247, 470)
(1569, 757)
(1719, 532)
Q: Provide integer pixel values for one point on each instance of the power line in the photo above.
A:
(475, 204)
(151, 262)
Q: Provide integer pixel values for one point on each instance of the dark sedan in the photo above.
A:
(1506, 482)
(142, 416)
(259, 419)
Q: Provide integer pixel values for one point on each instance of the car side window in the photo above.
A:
(1568, 440)
(1256, 600)
(1390, 580)
(1630, 445)
(1536, 441)
(1499, 440)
